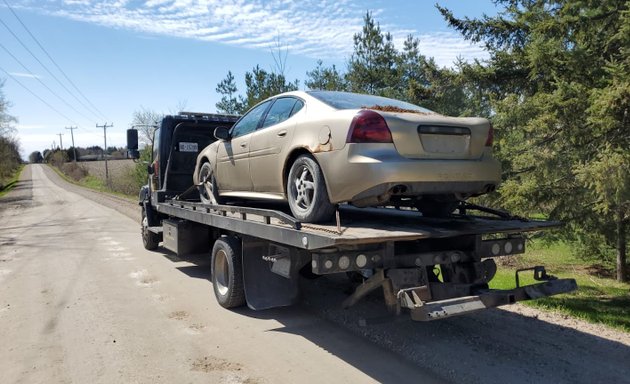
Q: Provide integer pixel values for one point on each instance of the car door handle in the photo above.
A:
(243, 145)
(282, 133)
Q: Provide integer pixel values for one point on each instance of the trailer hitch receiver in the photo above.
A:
(540, 274)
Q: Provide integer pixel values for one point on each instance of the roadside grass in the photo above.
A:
(599, 298)
(94, 183)
(12, 181)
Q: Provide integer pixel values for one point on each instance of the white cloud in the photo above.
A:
(315, 28)
(29, 127)
(27, 75)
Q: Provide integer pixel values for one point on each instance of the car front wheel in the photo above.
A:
(306, 191)
(208, 191)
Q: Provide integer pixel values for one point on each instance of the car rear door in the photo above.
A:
(233, 173)
(267, 144)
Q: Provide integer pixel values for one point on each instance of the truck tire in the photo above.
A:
(150, 240)
(227, 272)
(306, 191)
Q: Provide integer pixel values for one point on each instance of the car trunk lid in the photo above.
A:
(433, 136)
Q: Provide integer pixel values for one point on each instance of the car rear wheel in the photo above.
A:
(208, 192)
(306, 191)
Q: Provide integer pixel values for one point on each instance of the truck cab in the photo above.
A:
(176, 143)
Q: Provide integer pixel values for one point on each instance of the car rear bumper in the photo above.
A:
(366, 173)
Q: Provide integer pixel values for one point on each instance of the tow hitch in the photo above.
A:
(486, 298)
(419, 299)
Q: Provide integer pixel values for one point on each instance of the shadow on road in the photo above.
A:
(492, 346)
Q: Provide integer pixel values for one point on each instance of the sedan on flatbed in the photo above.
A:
(317, 149)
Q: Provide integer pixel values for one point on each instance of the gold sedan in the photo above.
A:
(316, 149)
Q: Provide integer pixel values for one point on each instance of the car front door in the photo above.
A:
(232, 167)
(267, 144)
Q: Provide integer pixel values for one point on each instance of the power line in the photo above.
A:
(46, 68)
(39, 98)
(53, 61)
(42, 83)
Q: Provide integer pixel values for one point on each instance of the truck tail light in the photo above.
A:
(369, 127)
(490, 138)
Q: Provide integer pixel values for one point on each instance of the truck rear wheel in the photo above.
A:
(227, 272)
(150, 240)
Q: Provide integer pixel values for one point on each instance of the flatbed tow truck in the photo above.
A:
(431, 267)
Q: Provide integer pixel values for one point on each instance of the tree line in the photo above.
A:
(556, 87)
(10, 159)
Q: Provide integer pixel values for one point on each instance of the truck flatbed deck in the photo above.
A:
(357, 225)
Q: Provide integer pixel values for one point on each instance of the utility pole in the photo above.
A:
(105, 126)
(60, 140)
(74, 149)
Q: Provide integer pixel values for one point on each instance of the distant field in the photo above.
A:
(117, 168)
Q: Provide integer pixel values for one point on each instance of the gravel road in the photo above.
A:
(81, 301)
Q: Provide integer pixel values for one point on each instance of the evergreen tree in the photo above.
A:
(230, 102)
(262, 85)
(325, 78)
(372, 66)
(558, 79)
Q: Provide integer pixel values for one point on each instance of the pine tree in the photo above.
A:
(558, 80)
(230, 102)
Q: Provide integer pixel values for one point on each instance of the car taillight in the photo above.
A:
(490, 138)
(369, 127)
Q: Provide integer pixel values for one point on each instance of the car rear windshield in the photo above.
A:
(347, 100)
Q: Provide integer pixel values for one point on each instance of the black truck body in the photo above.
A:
(433, 267)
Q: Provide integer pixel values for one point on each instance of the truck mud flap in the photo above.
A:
(487, 299)
(270, 275)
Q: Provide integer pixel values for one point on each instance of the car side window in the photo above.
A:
(249, 122)
(299, 104)
(279, 111)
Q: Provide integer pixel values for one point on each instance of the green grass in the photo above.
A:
(94, 183)
(12, 181)
(599, 298)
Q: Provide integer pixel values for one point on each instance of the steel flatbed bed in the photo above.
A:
(356, 225)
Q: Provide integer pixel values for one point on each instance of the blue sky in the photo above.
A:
(163, 54)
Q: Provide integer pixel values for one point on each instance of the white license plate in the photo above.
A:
(445, 144)
(188, 147)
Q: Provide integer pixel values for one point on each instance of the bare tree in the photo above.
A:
(181, 106)
(6, 120)
(146, 121)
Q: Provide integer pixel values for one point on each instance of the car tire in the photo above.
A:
(227, 272)
(208, 191)
(306, 191)
(150, 240)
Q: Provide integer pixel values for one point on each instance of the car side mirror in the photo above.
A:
(222, 133)
(132, 144)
